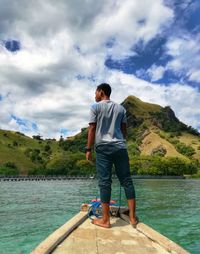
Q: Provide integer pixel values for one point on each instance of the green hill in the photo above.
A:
(151, 123)
(25, 152)
(155, 137)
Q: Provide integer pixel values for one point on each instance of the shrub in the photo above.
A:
(37, 137)
(133, 149)
(9, 168)
(19, 133)
(27, 152)
(37, 171)
(64, 165)
(184, 149)
(155, 165)
(15, 143)
(10, 165)
(162, 135)
(85, 167)
(159, 151)
(35, 156)
(47, 148)
(60, 166)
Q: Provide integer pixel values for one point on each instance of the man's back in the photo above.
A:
(108, 117)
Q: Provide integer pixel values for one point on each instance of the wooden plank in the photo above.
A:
(157, 237)
(82, 241)
(123, 238)
(120, 238)
(161, 239)
(81, 236)
(50, 243)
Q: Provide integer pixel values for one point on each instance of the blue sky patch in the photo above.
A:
(186, 15)
(90, 78)
(170, 77)
(34, 126)
(12, 45)
(25, 125)
(77, 48)
(142, 22)
(146, 56)
(110, 43)
(193, 21)
(80, 77)
(194, 84)
(64, 132)
(186, 20)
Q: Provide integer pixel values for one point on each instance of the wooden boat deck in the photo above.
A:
(80, 236)
(120, 238)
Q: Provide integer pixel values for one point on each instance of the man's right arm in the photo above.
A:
(90, 141)
(91, 135)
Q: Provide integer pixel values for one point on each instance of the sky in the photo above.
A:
(53, 54)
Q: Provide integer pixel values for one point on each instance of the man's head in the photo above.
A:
(103, 92)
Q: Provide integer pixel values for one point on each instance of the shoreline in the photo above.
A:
(53, 178)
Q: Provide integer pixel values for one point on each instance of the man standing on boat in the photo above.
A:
(107, 127)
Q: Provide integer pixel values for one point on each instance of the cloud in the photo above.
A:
(179, 97)
(183, 40)
(129, 22)
(185, 51)
(156, 72)
(50, 80)
(195, 75)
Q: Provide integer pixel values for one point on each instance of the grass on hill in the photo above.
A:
(152, 131)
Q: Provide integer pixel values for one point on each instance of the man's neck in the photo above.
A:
(105, 98)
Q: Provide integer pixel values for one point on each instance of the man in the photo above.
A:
(107, 126)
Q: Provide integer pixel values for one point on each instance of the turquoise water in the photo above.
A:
(30, 211)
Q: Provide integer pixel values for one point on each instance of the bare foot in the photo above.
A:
(101, 223)
(134, 221)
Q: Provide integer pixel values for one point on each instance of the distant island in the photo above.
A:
(158, 144)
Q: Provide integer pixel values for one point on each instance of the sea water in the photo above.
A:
(31, 210)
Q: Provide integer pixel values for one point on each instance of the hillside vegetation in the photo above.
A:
(158, 143)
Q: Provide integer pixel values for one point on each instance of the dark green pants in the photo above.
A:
(106, 157)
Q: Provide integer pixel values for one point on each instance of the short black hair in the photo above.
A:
(106, 88)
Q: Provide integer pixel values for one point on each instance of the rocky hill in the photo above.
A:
(153, 132)
(156, 130)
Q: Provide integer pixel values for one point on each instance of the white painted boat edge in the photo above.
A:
(52, 241)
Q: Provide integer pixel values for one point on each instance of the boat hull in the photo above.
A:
(79, 235)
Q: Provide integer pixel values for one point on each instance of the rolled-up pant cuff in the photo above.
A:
(105, 194)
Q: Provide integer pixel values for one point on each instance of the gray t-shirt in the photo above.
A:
(108, 117)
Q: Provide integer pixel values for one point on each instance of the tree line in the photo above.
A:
(74, 164)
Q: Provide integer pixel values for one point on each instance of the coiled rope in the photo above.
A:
(96, 210)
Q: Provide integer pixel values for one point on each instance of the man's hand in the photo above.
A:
(89, 156)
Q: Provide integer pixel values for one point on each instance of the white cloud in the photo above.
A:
(195, 76)
(61, 40)
(156, 72)
(185, 52)
(183, 99)
(123, 24)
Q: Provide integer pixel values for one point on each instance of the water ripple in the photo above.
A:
(30, 211)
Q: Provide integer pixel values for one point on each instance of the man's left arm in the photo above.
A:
(124, 130)
(124, 124)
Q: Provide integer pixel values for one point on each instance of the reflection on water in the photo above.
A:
(30, 211)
